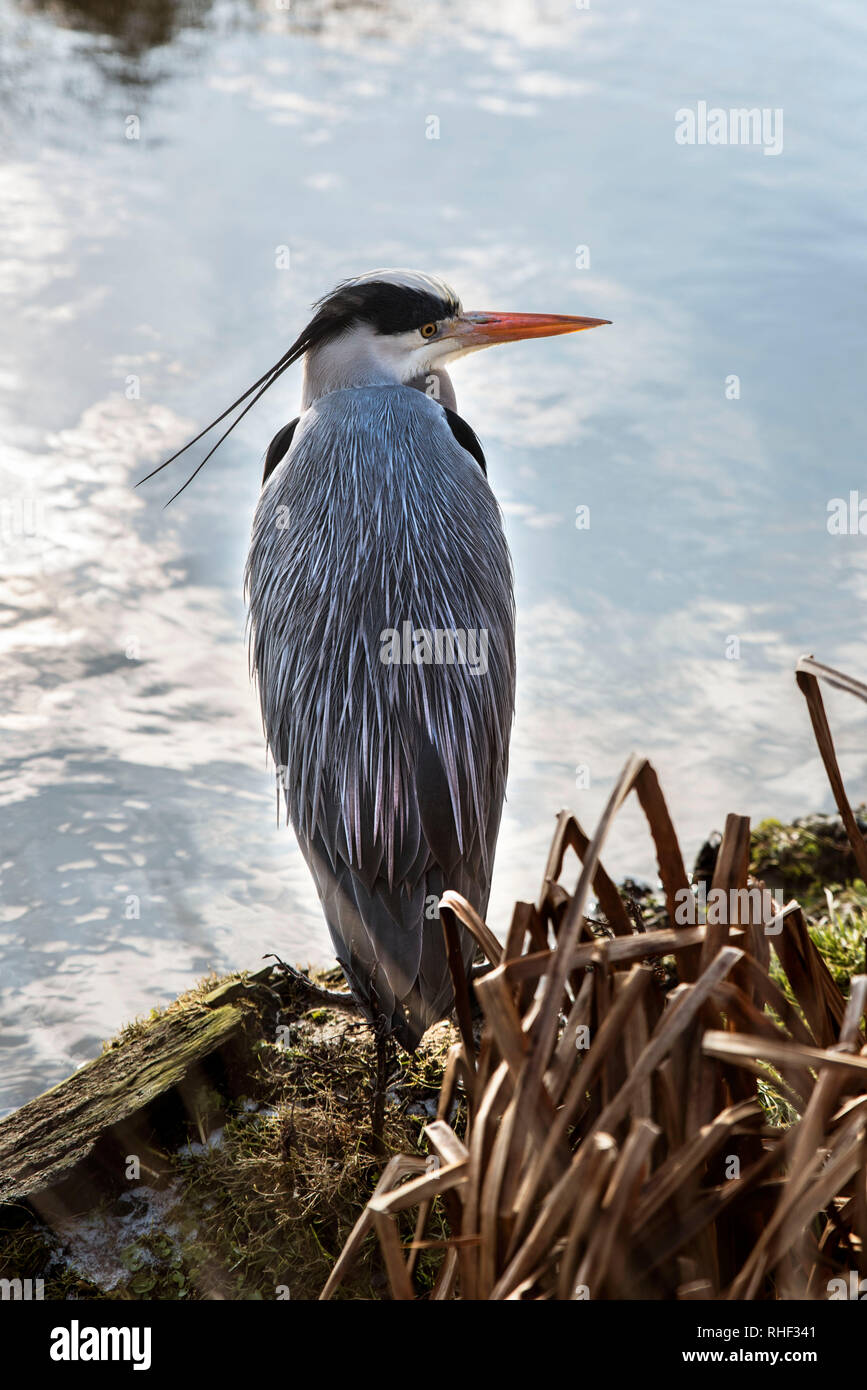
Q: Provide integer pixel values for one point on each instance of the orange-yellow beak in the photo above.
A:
(480, 330)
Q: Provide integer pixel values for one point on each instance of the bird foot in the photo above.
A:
(317, 995)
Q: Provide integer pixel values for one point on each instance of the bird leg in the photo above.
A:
(315, 995)
(384, 1055)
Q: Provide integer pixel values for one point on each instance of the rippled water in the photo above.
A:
(138, 837)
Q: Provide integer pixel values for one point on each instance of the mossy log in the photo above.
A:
(247, 1107)
(71, 1145)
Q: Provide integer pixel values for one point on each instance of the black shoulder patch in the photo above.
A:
(278, 448)
(466, 437)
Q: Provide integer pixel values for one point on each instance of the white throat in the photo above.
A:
(350, 360)
(363, 357)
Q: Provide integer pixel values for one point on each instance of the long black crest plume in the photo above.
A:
(333, 312)
(260, 387)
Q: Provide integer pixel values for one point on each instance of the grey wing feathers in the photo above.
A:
(387, 935)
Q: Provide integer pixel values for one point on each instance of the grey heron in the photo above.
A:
(378, 575)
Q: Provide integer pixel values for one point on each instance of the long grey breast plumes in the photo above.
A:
(394, 771)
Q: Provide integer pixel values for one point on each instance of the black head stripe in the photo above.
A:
(387, 307)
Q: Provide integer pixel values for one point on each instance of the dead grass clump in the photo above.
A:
(698, 1133)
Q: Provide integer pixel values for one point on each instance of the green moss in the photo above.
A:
(811, 860)
(805, 857)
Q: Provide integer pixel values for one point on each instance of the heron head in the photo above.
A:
(391, 326)
(396, 325)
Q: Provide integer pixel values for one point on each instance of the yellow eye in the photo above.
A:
(427, 330)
